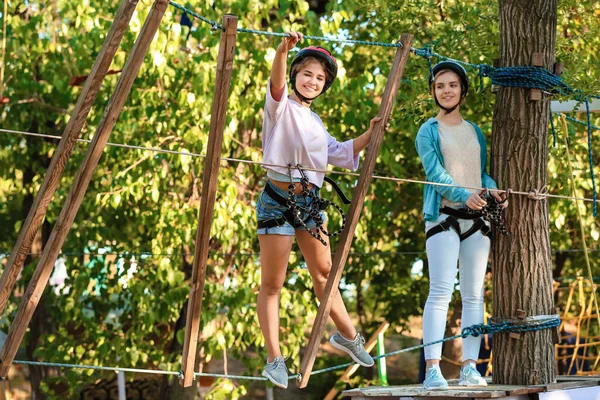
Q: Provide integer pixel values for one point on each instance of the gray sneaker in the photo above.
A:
(469, 376)
(276, 372)
(355, 348)
(434, 380)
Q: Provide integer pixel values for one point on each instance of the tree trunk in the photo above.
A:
(522, 263)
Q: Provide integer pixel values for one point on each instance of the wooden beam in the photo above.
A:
(574, 106)
(352, 369)
(67, 215)
(537, 60)
(358, 198)
(209, 190)
(37, 213)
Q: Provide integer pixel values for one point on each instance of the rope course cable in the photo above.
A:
(521, 77)
(528, 77)
(528, 324)
(216, 26)
(538, 193)
(125, 254)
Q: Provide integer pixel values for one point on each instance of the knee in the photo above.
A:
(441, 292)
(321, 273)
(472, 299)
(270, 288)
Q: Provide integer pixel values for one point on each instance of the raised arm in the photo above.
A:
(279, 68)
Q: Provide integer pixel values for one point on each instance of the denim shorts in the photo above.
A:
(267, 208)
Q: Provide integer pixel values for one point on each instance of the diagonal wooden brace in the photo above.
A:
(358, 198)
(67, 215)
(37, 213)
(209, 190)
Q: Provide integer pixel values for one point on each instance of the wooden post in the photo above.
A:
(209, 189)
(37, 213)
(82, 180)
(358, 199)
(352, 369)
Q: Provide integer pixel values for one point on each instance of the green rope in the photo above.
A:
(96, 367)
(215, 26)
(503, 325)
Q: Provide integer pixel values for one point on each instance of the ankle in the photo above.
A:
(348, 337)
(271, 360)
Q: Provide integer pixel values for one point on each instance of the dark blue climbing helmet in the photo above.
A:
(458, 70)
(454, 67)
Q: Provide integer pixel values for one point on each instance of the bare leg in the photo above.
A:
(318, 261)
(274, 256)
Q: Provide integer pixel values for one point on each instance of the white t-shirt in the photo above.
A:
(293, 134)
(461, 151)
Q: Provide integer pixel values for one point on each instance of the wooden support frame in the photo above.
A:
(65, 220)
(358, 198)
(537, 60)
(352, 369)
(37, 213)
(209, 189)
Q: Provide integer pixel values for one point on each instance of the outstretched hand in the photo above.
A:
(289, 42)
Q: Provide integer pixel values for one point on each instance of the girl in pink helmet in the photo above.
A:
(289, 206)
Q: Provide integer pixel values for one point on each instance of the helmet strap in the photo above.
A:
(448, 110)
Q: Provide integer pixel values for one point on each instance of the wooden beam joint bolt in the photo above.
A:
(520, 314)
(537, 60)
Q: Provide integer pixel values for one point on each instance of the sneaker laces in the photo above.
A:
(431, 373)
(280, 360)
(361, 339)
(468, 370)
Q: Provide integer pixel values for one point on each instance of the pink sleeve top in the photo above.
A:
(293, 134)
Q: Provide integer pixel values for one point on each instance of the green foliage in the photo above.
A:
(124, 310)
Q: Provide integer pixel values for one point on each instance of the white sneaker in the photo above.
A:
(434, 380)
(469, 376)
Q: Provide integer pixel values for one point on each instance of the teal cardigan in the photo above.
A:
(428, 147)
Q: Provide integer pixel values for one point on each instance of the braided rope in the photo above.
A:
(216, 26)
(589, 132)
(528, 324)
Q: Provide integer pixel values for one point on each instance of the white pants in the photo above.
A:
(443, 251)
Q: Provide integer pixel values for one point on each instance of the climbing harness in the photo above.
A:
(491, 212)
(451, 222)
(294, 212)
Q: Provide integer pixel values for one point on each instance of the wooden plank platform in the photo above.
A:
(490, 392)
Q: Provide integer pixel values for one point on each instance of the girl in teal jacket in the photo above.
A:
(453, 152)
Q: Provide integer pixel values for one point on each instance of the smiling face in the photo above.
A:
(447, 88)
(310, 79)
